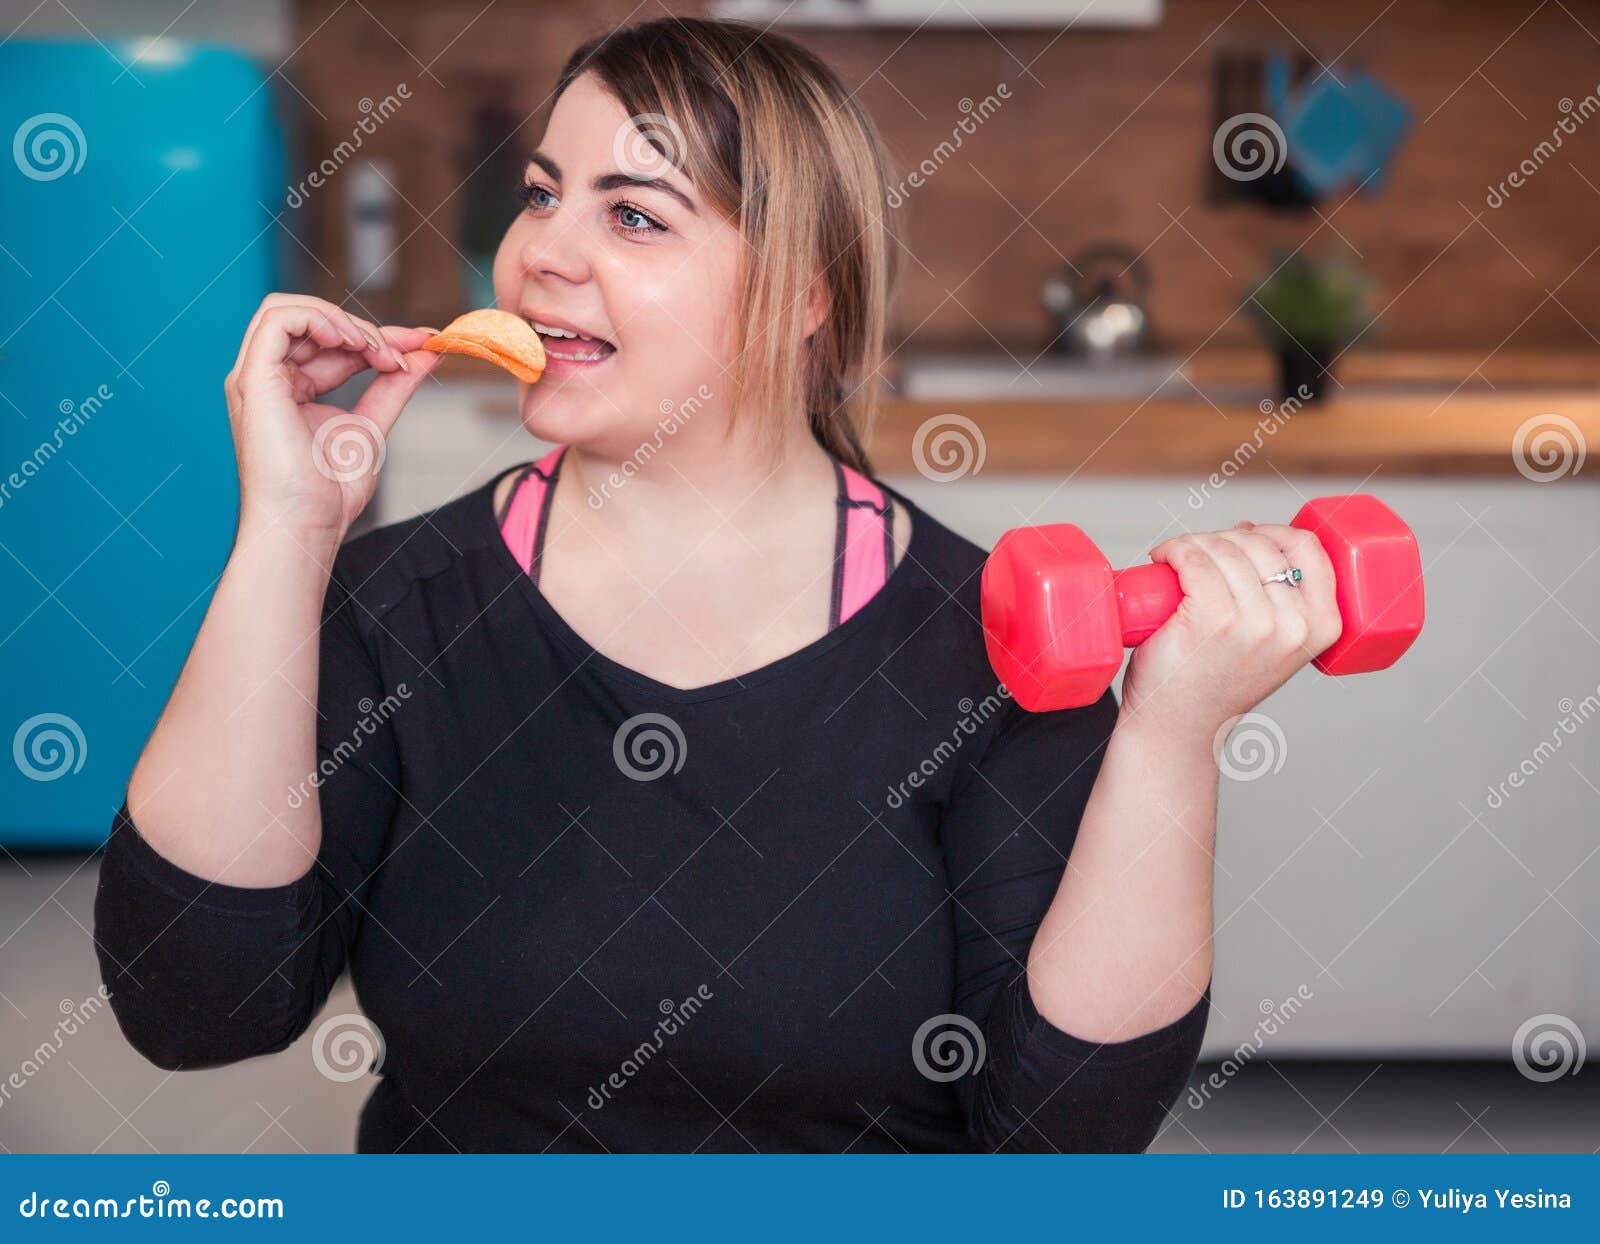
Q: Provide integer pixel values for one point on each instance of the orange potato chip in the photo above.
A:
(497, 336)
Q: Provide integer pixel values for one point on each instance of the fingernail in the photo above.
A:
(401, 359)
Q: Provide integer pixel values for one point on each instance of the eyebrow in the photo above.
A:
(617, 181)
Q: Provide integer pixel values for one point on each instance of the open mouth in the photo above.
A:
(569, 345)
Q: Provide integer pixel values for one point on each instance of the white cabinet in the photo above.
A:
(1374, 868)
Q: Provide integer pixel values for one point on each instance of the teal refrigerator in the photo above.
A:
(142, 205)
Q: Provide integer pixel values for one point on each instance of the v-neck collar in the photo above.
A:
(588, 655)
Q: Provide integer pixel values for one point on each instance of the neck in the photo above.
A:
(697, 486)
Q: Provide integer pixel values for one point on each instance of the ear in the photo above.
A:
(816, 305)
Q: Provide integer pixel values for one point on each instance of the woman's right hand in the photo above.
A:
(307, 466)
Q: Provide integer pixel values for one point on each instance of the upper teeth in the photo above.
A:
(552, 331)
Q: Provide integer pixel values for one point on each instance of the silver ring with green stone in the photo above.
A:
(1289, 574)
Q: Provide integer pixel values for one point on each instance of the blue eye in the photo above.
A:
(528, 191)
(632, 220)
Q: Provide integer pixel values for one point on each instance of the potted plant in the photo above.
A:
(1309, 310)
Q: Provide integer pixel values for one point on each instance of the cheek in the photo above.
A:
(680, 319)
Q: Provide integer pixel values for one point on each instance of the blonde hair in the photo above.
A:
(770, 136)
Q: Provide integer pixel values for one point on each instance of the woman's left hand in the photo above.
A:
(1233, 640)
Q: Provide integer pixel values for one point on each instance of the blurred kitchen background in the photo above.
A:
(1166, 265)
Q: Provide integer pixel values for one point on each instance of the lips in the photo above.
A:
(567, 341)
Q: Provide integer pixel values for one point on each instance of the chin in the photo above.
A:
(563, 418)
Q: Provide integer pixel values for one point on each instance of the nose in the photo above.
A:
(555, 249)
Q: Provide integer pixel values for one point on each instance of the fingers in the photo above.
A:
(1199, 575)
(1223, 573)
(285, 326)
(388, 394)
(328, 369)
(353, 336)
(1317, 590)
(1258, 557)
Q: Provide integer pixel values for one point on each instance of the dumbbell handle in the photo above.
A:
(1146, 597)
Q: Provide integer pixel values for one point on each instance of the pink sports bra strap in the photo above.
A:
(523, 522)
(864, 555)
(863, 552)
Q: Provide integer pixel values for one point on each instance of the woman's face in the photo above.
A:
(616, 243)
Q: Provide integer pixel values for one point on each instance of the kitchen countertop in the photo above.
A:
(1443, 434)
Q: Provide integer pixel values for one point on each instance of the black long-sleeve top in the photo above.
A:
(586, 910)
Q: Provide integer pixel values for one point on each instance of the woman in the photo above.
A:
(658, 795)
